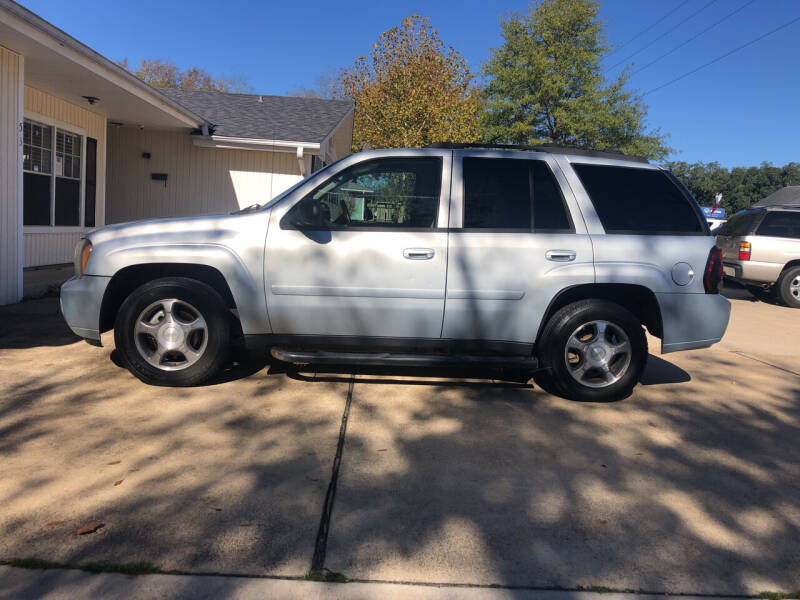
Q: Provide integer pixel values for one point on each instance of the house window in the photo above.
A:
(52, 161)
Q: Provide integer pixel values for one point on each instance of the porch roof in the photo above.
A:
(60, 65)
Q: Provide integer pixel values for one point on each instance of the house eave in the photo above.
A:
(35, 28)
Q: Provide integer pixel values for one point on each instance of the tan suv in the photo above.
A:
(761, 249)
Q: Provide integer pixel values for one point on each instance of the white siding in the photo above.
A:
(10, 177)
(56, 246)
(200, 180)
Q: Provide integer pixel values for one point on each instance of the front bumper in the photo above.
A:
(81, 299)
(692, 320)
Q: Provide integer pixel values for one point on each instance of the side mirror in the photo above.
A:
(307, 214)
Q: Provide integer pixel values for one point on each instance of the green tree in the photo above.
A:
(164, 74)
(545, 84)
(740, 186)
(410, 91)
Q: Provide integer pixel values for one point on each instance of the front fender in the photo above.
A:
(246, 286)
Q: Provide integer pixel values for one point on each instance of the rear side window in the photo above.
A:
(780, 224)
(739, 224)
(512, 195)
(639, 201)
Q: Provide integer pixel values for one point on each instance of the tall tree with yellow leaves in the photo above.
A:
(410, 91)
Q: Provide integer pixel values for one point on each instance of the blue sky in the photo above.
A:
(742, 110)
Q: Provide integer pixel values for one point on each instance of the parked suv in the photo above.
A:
(542, 258)
(761, 249)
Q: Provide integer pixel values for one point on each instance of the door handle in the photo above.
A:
(560, 255)
(418, 253)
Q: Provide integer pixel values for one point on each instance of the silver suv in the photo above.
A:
(540, 258)
(761, 249)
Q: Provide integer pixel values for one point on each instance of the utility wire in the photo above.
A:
(727, 54)
(646, 29)
(694, 37)
(667, 32)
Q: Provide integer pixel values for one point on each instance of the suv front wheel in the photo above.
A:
(592, 351)
(173, 331)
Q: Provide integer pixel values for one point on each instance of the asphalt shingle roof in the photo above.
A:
(264, 117)
(789, 195)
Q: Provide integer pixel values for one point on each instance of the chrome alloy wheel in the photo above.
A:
(171, 334)
(794, 287)
(598, 353)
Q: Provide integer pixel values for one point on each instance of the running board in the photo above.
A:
(405, 360)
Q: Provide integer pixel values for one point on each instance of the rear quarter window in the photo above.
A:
(739, 224)
(639, 201)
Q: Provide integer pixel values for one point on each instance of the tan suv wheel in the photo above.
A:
(789, 287)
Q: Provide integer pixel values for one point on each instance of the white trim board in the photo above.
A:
(233, 143)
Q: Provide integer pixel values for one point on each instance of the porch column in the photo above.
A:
(11, 111)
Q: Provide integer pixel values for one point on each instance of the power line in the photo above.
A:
(727, 54)
(646, 29)
(694, 37)
(667, 32)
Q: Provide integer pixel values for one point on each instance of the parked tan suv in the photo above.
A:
(761, 249)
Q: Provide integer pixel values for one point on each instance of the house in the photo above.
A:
(84, 143)
(786, 196)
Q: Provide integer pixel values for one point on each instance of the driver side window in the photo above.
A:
(398, 193)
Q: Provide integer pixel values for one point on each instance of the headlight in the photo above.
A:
(82, 252)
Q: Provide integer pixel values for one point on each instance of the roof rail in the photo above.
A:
(551, 148)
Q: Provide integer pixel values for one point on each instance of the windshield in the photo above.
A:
(285, 193)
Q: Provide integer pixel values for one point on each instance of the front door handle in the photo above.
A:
(418, 253)
(560, 255)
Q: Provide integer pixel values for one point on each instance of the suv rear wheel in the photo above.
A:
(592, 350)
(789, 287)
(173, 331)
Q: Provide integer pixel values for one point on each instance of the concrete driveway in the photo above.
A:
(692, 485)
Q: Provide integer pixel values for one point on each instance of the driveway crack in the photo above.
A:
(764, 362)
(321, 544)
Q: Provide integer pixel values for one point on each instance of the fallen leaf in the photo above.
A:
(245, 524)
(382, 450)
(90, 527)
(54, 523)
(603, 522)
(605, 467)
(218, 509)
(113, 462)
(118, 482)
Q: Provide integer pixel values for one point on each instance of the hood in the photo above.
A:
(177, 229)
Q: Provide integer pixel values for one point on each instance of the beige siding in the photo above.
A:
(342, 139)
(56, 246)
(10, 217)
(200, 180)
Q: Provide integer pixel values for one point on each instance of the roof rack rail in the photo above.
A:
(552, 148)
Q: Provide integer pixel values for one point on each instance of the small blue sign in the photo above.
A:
(713, 214)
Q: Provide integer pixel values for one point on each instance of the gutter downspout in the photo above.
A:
(301, 161)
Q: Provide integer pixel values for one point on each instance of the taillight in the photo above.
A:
(713, 275)
(744, 250)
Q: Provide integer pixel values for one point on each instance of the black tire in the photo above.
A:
(555, 376)
(196, 295)
(789, 287)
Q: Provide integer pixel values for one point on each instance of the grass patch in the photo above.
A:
(137, 568)
(325, 575)
(779, 595)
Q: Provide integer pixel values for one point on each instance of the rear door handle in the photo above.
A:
(560, 255)
(418, 253)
